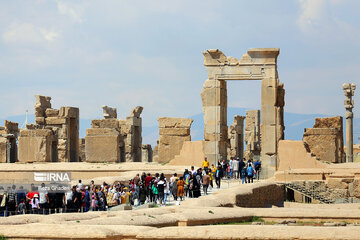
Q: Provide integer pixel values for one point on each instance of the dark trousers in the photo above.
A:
(11, 207)
(69, 206)
(205, 188)
(217, 181)
(161, 197)
(250, 178)
(43, 208)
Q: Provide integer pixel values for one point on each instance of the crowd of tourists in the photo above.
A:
(144, 188)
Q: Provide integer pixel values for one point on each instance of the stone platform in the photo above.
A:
(194, 219)
(99, 172)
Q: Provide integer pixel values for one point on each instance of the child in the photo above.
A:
(21, 207)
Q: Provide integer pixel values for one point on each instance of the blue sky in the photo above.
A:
(126, 53)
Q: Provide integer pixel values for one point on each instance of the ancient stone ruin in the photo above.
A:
(173, 132)
(349, 89)
(256, 64)
(8, 146)
(133, 142)
(115, 140)
(54, 137)
(236, 138)
(109, 112)
(252, 134)
(325, 139)
(146, 153)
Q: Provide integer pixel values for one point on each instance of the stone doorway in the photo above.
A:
(256, 64)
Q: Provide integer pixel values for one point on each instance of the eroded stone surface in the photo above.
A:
(325, 139)
(60, 141)
(173, 132)
(116, 140)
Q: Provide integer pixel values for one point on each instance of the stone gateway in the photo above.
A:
(256, 64)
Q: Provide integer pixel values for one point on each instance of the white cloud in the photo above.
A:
(311, 15)
(28, 33)
(49, 35)
(318, 18)
(66, 9)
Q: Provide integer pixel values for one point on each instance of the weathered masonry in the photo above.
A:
(256, 64)
(54, 137)
(116, 140)
(8, 146)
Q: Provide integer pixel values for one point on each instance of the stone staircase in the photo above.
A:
(315, 191)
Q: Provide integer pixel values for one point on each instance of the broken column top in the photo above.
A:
(168, 122)
(11, 126)
(215, 57)
(349, 88)
(238, 119)
(329, 122)
(42, 101)
(135, 112)
(109, 112)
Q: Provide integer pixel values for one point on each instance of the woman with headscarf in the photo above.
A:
(180, 184)
(35, 204)
(174, 189)
(196, 189)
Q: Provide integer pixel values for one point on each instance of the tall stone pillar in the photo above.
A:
(236, 138)
(252, 133)
(349, 89)
(214, 100)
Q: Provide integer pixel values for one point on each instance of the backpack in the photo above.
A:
(187, 176)
(155, 190)
(250, 171)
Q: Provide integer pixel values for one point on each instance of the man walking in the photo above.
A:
(235, 168)
(218, 176)
(250, 173)
(206, 182)
(205, 164)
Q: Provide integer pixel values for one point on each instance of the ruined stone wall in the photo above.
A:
(155, 157)
(35, 145)
(293, 155)
(236, 138)
(102, 144)
(115, 140)
(3, 149)
(63, 124)
(325, 139)
(173, 132)
(82, 157)
(133, 142)
(102, 140)
(252, 134)
(191, 154)
(8, 145)
(147, 153)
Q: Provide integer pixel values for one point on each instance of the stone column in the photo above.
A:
(236, 137)
(252, 133)
(214, 101)
(349, 89)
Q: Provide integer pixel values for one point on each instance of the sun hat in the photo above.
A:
(36, 195)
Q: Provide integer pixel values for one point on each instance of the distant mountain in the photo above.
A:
(294, 125)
